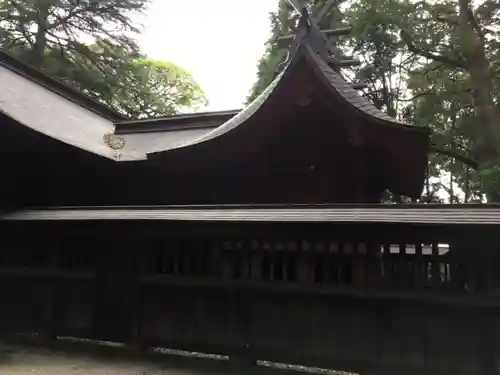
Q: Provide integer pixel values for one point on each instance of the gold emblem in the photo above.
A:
(115, 143)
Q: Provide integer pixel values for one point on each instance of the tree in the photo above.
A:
(90, 45)
(153, 88)
(282, 22)
(132, 84)
(435, 64)
(270, 64)
(40, 25)
(459, 51)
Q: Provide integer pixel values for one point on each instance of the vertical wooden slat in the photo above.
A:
(133, 290)
(457, 279)
(266, 265)
(256, 260)
(271, 255)
(436, 263)
(292, 250)
(402, 280)
(373, 265)
(303, 262)
(419, 268)
(387, 265)
(214, 261)
(361, 264)
(50, 310)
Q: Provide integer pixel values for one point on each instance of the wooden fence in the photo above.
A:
(363, 298)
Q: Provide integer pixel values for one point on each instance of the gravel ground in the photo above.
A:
(29, 360)
(17, 360)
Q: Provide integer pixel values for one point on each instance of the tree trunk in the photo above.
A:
(36, 55)
(466, 184)
(480, 74)
(452, 193)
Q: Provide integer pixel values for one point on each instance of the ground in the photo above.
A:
(30, 360)
(21, 360)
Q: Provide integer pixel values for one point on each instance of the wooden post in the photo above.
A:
(488, 346)
(50, 308)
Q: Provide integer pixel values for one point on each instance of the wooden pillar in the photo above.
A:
(53, 309)
(117, 303)
(487, 320)
(133, 287)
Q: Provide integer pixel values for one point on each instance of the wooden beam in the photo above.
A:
(343, 63)
(329, 33)
(359, 86)
(298, 5)
(346, 30)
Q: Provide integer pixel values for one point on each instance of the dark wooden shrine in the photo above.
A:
(256, 233)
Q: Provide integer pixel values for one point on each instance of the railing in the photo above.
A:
(286, 293)
(361, 266)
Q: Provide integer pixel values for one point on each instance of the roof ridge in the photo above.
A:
(181, 116)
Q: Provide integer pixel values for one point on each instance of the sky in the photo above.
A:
(218, 41)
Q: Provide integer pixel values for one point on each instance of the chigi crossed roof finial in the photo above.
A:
(319, 40)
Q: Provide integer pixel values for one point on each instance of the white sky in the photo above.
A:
(218, 41)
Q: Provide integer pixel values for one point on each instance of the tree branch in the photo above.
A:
(425, 93)
(464, 159)
(405, 36)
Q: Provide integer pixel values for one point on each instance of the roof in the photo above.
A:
(332, 79)
(148, 142)
(30, 105)
(351, 96)
(35, 75)
(237, 120)
(54, 109)
(200, 120)
(390, 214)
(152, 137)
(162, 133)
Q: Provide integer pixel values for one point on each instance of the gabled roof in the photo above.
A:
(48, 106)
(162, 133)
(240, 118)
(26, 104)
(402, 147)
(37, 76)
(332, 80)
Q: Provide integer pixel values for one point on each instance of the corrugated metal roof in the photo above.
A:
(410, 215)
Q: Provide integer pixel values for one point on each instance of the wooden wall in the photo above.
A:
(292, 293)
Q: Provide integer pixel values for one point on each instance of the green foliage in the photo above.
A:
(153, 88)
(385, 63)
(63, 24)
(90, 45)
(418, 60)
(270, 64)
